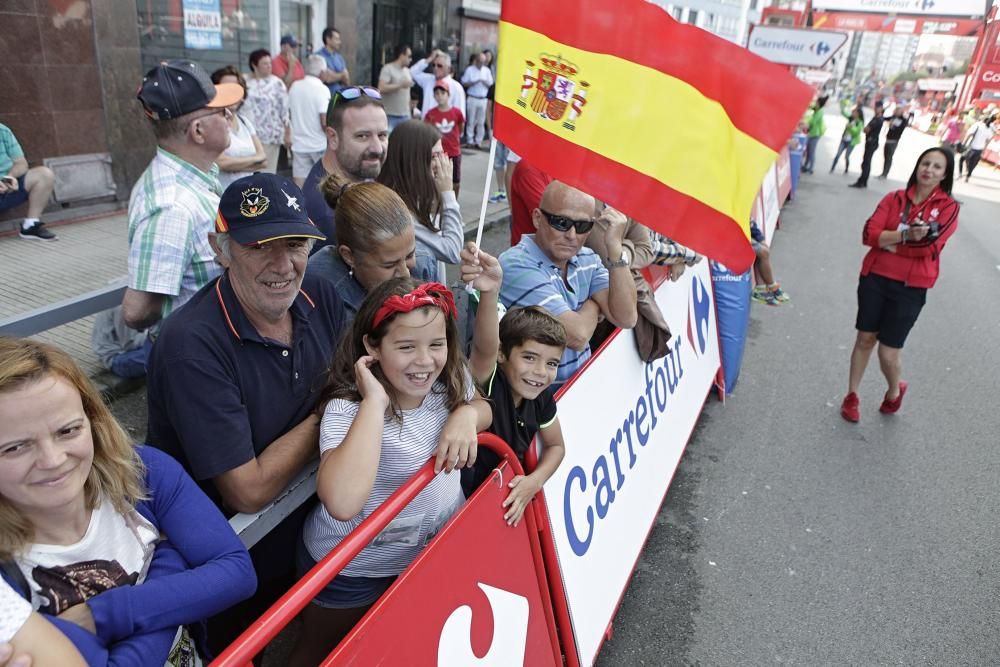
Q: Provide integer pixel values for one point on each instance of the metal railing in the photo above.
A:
(66, 311)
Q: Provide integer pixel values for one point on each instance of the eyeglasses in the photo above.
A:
(221, 110)
(353, 93)
(439, 66)
(561, 223)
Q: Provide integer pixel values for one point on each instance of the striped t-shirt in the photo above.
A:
(406, 446)
(530, 278)
(170, 214)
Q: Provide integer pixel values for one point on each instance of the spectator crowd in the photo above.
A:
(284, 321)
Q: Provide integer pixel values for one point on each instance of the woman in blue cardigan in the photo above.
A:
(115, 544)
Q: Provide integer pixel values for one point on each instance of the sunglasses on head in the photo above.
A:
(561, 223)
(353, 93)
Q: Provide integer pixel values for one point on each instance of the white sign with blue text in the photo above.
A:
(202, 24)
(626, 424)
(803, 47)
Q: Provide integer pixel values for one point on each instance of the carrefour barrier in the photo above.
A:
(620, 457)
(479, 588)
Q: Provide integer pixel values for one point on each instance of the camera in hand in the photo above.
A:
(933, 230)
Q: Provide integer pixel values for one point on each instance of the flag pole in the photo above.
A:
(486, 192)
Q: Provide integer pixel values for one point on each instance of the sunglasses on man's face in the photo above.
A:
(561, 223)
(353, 93)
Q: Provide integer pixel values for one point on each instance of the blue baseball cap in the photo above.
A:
(177, 87)
(289, 39)
(263, 207)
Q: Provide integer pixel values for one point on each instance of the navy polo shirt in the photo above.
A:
(319, 211)
(219, 393)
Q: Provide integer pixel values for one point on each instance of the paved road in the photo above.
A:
(792, 537)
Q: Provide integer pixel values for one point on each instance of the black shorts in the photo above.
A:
(456, 169)
(888, 307)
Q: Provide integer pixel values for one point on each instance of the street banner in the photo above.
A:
(933, 8)
(906, 25)
(202, 24)
(472, 597)
(626, 424)
(666, 122)
(803, 47)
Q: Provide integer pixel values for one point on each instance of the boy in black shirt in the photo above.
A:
(897, 122)
(519, 387)
(871, 144)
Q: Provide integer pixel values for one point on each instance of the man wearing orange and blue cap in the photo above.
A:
(234, 376)
(172, 206)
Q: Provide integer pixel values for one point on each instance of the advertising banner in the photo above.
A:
(772, 205)
(472, 592)
(784, 175)
(202, 24)
(965, 8)
(626, 424)
(804, 47)
(907, 25)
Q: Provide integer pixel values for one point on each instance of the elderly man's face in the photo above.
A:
(361, 145)
(562, 246)
(267, 277)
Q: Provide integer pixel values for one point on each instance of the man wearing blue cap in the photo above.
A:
(286, 65)
(234, 376)
(173, 204)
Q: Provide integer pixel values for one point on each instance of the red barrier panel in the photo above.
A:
(476, 569)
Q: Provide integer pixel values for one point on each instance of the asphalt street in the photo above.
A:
(791, 537)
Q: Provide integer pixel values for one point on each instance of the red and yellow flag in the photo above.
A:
(667, 123)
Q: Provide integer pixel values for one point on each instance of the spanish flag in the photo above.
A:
(669, 124)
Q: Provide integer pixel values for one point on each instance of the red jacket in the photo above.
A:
(916, 264)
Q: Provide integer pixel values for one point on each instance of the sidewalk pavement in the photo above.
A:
(92, 252)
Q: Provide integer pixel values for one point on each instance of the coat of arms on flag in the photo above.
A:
(556, 89)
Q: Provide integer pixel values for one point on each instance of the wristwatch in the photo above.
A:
(620, 262)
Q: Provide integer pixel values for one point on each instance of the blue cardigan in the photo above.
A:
(199, 569)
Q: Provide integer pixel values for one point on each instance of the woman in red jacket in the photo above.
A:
(906, 234)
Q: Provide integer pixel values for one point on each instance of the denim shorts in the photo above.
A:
(12, 199)
(343, 592)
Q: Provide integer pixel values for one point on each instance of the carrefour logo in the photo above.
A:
(820, 48)
(699, 310)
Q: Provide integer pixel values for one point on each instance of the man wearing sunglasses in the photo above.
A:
(357, 137)
(552, 269)
(439, 73)
(173, 204)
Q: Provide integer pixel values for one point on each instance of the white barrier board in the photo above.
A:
(772, 205)
(626, 424)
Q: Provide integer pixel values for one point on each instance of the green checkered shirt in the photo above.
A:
(170, 214)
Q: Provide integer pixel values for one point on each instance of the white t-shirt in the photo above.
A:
(308, 98)
(980, 136)
(115, 551)
(14, 611)
(405, 447)
(240, 145)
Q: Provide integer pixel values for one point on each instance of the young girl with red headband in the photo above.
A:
(395, 381)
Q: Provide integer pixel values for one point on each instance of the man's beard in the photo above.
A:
(356, 168)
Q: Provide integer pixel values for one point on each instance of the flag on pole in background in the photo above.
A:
(669, 124)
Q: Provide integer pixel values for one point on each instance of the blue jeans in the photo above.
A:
(810, 160)
(845, 145)
(131, 364)
(396, 120)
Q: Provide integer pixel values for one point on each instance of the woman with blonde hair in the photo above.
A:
(114, 544)
(375, 240)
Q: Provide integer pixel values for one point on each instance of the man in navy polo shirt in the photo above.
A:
(234, 376)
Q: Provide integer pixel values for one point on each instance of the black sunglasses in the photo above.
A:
(353, 93)
(561, 223)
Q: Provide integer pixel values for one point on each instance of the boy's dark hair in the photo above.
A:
(530, 323)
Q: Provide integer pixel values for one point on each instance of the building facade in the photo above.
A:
(70, 68)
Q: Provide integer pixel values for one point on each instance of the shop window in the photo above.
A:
(217, 32)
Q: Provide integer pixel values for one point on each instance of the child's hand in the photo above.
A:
(457, 445)
(523, 489)
(480, 269)
(441, 172)
(368, 386)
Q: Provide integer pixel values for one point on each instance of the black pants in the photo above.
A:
(887, 153)
(866, 163)
(971, 157)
